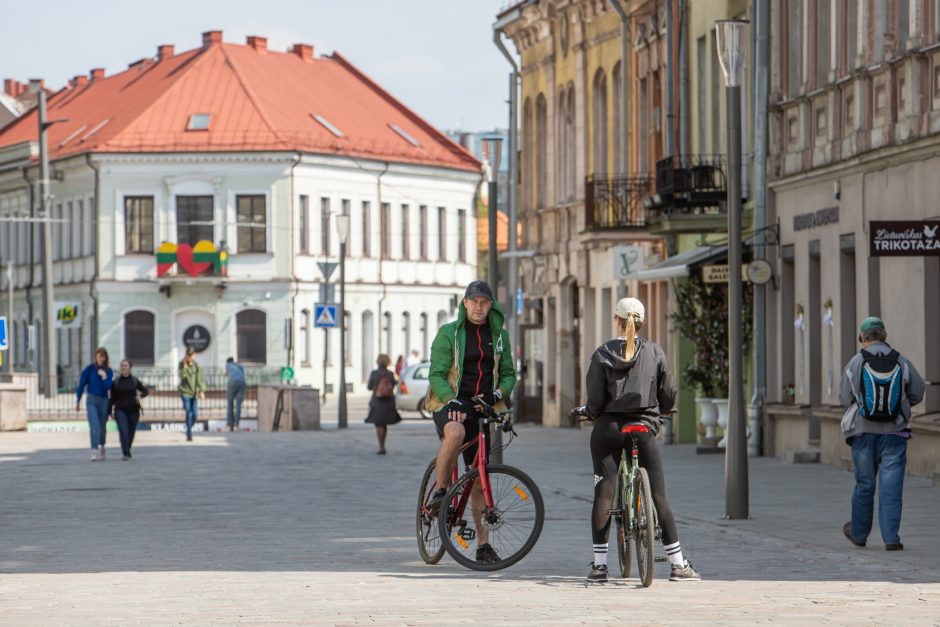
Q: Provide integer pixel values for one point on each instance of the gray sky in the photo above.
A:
(437, 56)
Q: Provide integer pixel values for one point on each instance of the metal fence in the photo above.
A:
(163, 403)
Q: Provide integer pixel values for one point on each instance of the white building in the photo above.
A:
(253, 153)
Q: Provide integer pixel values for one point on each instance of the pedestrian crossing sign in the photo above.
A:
(324, 316)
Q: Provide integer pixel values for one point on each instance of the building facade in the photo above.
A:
(208, 217)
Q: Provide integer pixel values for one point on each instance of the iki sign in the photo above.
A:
(627, 260)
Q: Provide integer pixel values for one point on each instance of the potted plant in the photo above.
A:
(789, 394)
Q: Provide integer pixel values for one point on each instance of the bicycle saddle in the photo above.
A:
(635, 429)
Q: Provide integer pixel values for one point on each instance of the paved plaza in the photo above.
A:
(314, 528)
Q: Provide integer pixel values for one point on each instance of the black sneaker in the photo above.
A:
(598, 573)
(486, 554)
(847, 532)
(436, 499)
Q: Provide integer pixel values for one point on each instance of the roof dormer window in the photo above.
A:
(199, 122)
(404, 135)
(326, 124)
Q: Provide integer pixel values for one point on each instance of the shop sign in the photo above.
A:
(68, 315)
(627, 260)
(197, 337)
(909, 238)
(718, 273)
(803, 221)
(193, 261)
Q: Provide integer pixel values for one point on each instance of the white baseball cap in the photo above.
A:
(630, 306)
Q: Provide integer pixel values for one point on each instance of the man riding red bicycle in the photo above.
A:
(470, 357)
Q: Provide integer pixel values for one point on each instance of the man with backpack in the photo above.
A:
(879, 386)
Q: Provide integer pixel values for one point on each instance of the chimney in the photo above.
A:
(258, 43)
(9, 87)
(164, 52)
(81, 80)
(35, 84)
(211, 37)
(97, 74)
(304, 51)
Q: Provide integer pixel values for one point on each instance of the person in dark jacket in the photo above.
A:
(629, 382)
(382, 410)
(126, 393)
(97, 378)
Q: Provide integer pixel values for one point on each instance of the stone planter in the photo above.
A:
(708, 416)
(721, 404)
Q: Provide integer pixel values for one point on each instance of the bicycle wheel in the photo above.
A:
(645, 527)
(429, 542)
(624, 536)
(512, 528)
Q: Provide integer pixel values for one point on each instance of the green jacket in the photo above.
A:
(447, 351)
(192, 380)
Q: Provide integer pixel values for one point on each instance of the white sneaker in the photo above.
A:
(684, 572)
(94, 455)
(101, 453)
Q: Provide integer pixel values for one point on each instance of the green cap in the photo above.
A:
(871, 323)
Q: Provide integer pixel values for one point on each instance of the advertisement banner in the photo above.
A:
(906, 238)
(68, 315)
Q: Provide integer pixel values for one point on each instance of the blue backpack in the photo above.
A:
(881, 384)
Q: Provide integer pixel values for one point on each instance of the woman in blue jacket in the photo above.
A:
(97, 377)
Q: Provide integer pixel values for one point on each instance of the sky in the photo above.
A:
(438, 57)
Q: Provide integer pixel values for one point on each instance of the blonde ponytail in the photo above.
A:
(629, 331)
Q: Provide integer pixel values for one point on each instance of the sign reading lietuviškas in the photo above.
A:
(905, 238)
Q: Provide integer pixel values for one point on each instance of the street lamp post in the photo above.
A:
(342, 229)
(492, 149)
(730, 44)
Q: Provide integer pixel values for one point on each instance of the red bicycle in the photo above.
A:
(505, 508)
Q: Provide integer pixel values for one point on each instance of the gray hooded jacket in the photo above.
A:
(853, 422)
(641, 386)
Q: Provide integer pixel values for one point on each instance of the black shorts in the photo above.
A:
(471, 430)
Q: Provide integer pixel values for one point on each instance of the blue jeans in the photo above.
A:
(885, 457)
(235, 395)
(127, 427)
(97, 409)
(191, 407)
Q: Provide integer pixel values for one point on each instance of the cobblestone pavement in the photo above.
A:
(314, 528)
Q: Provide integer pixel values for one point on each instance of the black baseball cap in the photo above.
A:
(479, 288)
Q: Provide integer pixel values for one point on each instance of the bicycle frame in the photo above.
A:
(479, 463)
(626, 473)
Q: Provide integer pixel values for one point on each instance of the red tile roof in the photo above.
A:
(258, 100)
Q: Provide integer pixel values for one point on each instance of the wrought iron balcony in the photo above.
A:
(690, 184)
(615, 202)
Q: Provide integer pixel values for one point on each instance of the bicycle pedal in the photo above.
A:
(662, 559)
(467, 534)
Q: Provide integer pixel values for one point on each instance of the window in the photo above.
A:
(75, 227)
(528, 183)
(366, 228)
(303, 220)
(405, 232)
(560, 192)
(903, 16)
(139, 335)
(199, 122)
(345, 204)
(347, 329)
(442, 233)
(194, 219)
(404, 135)
(461, 235)
(138, 224)
(617, 104)
(701, 56)
(305, 337)
(250, 336)
(387, 322)
(406, 332)
(794, 52)
(851, 35)
(89, 227)
(570, 139)
(599, 126)
(423, 231)
(385, 237)
(643, 130)
(541, 151)
(822, 43)
(327, 125)
(57, 232)
(324, 226)
(252, 221)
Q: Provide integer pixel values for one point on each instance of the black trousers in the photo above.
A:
(607, 443)
(127, 427)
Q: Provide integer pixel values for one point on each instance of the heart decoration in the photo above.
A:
(184, 258)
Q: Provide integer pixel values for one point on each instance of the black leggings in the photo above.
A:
(607, 442)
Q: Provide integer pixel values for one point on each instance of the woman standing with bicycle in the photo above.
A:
(629, 382)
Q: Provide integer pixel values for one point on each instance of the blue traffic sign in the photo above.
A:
(4, 342)
(324, 316)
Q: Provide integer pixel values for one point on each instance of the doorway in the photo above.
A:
(196, 328)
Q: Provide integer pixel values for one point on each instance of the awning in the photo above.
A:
(680, 265)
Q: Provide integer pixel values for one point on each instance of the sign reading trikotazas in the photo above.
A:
(906, 238)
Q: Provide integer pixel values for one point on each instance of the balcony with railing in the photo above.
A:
(690, 195)
(615, 202)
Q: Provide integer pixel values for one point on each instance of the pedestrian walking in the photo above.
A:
(399, 365)
(192, 389)
(235, 392)
(96, 378)
(879, 386)
(412, 360)
(382, 410)
(125, 405)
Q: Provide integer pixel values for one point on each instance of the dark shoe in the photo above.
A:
(436, 499)
(486, 554)
(894, 547)
(125, 458)
(382, 452)
(684, 572)
(847, 531)
(598, 573)
(189, 438)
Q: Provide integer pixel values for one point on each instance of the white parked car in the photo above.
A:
(412, 388)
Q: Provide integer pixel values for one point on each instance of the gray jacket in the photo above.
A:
(853, 423)
(641, 386)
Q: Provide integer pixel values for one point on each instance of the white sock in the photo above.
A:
(674, 553)
(600, 554)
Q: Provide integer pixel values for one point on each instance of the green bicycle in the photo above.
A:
(633, 510)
